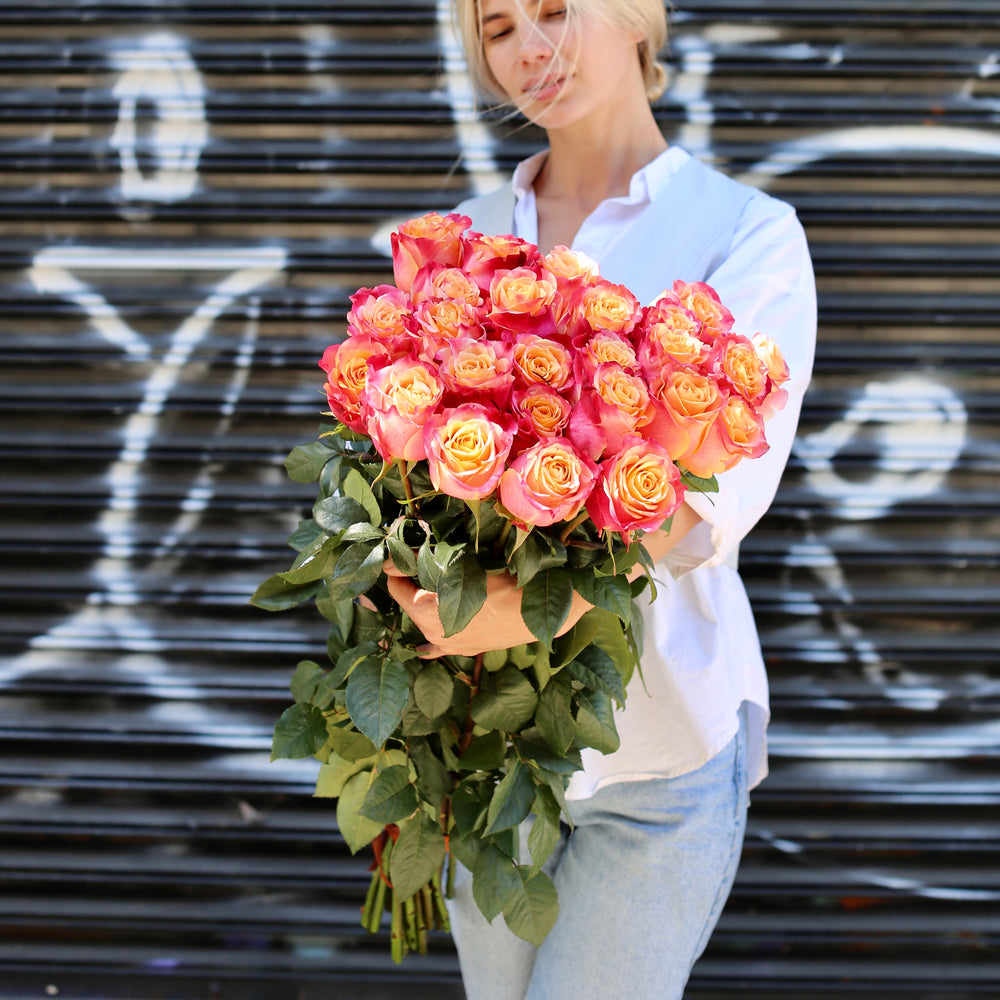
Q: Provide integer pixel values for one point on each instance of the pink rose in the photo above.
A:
(476, 367)
(705, 303)
(483, 256)
(522, 301)
(538, 360)
(613, 405)
(669, 333)
(466, 448)
(547, 483)
(541, 414)
(382, 312)
(637, 488)
(602, 348)
(346, 367)
(435, 281)
(736, 433)
(443, 319)
(685, 405)
(734, 361)
(398, 400)
(602, 305)
(429, 239)
(778, 373)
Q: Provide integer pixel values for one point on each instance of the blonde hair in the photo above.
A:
(646, 16)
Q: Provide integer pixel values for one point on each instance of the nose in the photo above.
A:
(534, 46)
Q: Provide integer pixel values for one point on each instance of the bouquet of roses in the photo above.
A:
(498, 411)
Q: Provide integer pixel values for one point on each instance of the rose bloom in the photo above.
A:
(540, 411)
(466, 448)
(443, 319)
(639, 487)
(778, 373)
(669, 332)
(547, 483)
(735, 362)
(397, 402)
(606, 306)
(705, 303)
(473, 366)
(483, 256)
(604, 347)
(380, 312)
(568, 265)
(542, 361)
(614, 405)
(737, 433)
(685, 403)
(435, 281)
(521, 299)
(346, 367)
(431, 238)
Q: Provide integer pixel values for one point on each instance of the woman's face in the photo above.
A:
(557, 70)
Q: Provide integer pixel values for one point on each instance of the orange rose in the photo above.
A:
(567, 265)
(467, 447)
(605, 306)
(735, 361)
(605, 347)
(737, 433)
(540, 411)
(705, 303)
(538, 360)
(685, 406)
(429, 239)
(346, 366)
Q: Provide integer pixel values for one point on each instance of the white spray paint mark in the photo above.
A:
(159, 70)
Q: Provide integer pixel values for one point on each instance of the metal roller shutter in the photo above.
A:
(188, 194)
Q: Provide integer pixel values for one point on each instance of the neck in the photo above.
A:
(589, 162)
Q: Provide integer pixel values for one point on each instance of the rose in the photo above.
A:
(736, 433)
(397, 401)
(380, 312)
(466, 447)
(705, 303)
(685, 403)
(602, 348)
(483, 256)
(567, 265)
(469, 366)
(346, 366)
(602, 305)
(735, 362)
(637, 488)
(547, 483)
(669, 332)
(540, 411)
(443, 319)
(434, 281)
(431, 238)
(522, 300)
(777, 370)
(538, 360)
(613, 405)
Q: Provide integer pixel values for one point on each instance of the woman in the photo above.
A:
(659, 823)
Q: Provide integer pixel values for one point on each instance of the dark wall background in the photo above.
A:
(188, 194)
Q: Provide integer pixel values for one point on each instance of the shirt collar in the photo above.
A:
(645, 182)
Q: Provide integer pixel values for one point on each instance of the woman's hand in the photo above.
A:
(497, 625)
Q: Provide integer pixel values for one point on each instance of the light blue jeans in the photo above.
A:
(642, 880)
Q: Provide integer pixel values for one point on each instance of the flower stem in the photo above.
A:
(477, 673)
(572, 526)
(405, 479)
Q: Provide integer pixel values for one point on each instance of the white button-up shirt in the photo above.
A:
(702, 657)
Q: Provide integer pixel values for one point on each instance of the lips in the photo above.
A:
(544, 89)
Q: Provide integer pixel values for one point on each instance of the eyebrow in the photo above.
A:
(499, 15)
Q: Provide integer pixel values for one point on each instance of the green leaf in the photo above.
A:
(461, 593)
(335, 773)
(610, 635)
(494, 881)
(465, 850)
(337, 514)
(698, 484)
(484, 753)
(553, 717)
(433, 689)
(544, 835)
(304, 535)
(358, 489)
(362, 532)
(433, 779)
(305, 680)
(358, 568)
(376, 695)
(358, 831)
(402, 555)
(300, 732)
(391, 797)
(417, 855)
(532, 909)
(505, 700)
(545, 604)
(277, 594)
(570, 643)
(468, 805)
(595, 721)
(349, 744)
(532, 750)
(314, 565)
(428, 571)
(512, 799)
(537, 552)
(494, 659)
(305, 462)
(612, 593)
(594, 669)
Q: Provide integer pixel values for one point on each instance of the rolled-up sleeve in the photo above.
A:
(767, 283)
